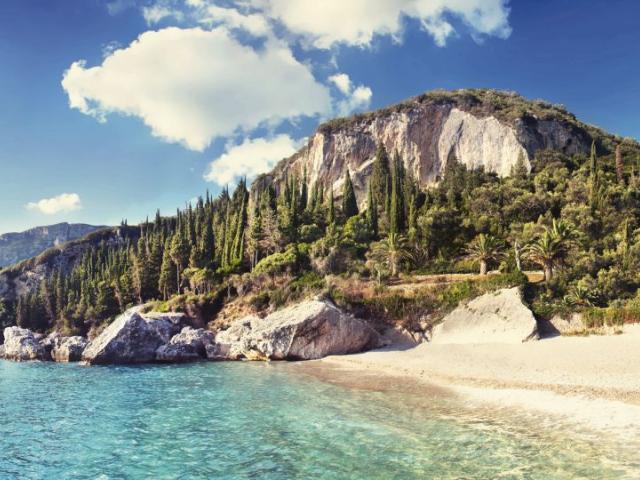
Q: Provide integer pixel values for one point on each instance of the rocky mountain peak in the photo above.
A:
(479, 128)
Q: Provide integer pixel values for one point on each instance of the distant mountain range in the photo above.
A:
(15, 247)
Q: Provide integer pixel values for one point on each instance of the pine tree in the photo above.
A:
(167, 280)
(349, 203)
(179, 253)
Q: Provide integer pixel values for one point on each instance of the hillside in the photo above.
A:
(477, 127)
(18, 246)
(448, 182)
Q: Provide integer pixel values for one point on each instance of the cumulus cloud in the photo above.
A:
(65, 202)
(357, 98)
(250, 158)
(193, 85)
(354, 22)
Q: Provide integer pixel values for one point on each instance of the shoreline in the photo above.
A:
(590, 381)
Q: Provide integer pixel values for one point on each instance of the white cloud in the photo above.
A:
(355, 22)
(251, 158)
(255, 24)
(192, 86)
(356, 98)
(159, 11)
(342, 82)
(65, 202)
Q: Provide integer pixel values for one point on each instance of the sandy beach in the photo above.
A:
(593, 380)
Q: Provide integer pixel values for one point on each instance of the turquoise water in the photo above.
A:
(258, 421)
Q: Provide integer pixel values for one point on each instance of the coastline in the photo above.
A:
(593, 381)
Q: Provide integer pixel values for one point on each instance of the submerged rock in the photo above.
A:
(21, 344)
(68, 349)
(187, 346)
(309, 330)
(497, 317)
(133, 338)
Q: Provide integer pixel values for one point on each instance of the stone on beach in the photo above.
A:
(308, 330)
(132, 338)
(497, 317)
(21, 344)
(188, 345)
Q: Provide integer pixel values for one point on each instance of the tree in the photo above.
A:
(484, 249)
(179, 254)
(349, 203)
(167, 280)
(519, 170)
(372, 212)
(594, 180)
(551, 248)
(396, 207)
(389, 253)
(381, 176)
(331, 212)
(619, 166)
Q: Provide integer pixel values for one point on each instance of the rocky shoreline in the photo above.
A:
(306, 331)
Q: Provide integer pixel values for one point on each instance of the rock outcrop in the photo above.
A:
(308, 330)
(21, 344)
(187, 346)
(498, 317)
(68, 349)
(479, 128)
(133, 338)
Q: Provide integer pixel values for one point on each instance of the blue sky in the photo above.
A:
(94, 128)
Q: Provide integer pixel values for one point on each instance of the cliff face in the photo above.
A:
(15, 247)
(479, 128)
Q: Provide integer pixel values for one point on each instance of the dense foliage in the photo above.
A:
(585, 209)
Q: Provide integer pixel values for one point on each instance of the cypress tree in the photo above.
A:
(372, 212)
(594, 180)
(381, 176)
(331, 213)
(349, 203)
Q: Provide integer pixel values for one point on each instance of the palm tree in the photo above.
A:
(484, 249)
(390, 252)
(551, 248)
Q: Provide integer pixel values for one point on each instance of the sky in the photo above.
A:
(111, 109)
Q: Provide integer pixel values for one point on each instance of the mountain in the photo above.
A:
(577, 173)
(15, 247)
(477, 127)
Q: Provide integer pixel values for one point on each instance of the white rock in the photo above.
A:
(498, 317)
(21, 344)
(132, 338)
(68, 349)
(308, 330)
(187, 346)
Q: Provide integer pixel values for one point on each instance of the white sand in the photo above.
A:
(593, 379)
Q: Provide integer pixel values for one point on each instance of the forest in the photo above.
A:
(574, 218)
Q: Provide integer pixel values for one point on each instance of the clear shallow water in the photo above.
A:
(255, 421)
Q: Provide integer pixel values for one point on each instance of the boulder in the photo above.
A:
(308, 330)
(560, 325)
(133, 337)
(68, 349)
(21, 344)
(497, 317)
(187, 346)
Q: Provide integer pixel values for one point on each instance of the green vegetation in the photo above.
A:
(574, 217)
